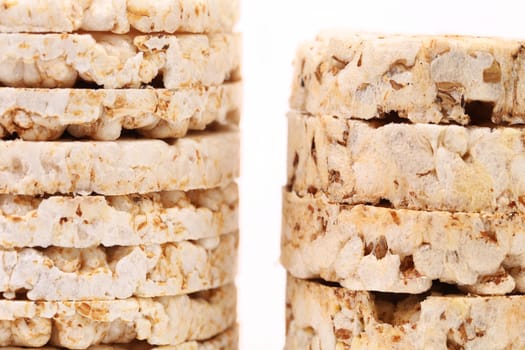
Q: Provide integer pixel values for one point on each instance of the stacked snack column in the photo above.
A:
(403, 214)
(120, 151)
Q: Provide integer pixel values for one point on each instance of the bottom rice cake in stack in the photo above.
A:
(227, 340)
(405, 200)
(324, 316)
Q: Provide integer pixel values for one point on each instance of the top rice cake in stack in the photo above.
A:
(405, 166)
(119, 16)
(120, 150)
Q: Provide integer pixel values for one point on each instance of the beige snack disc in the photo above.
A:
(90, 221)
(119, 61)
(45, 114)
(421, 166)
(201, 160)
(120, 272)
(425, 79)
(81, 324)
(330, 318)
(119, 16)
(227, 340)
(402, 251)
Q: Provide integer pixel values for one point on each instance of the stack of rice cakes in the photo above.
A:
(404, 224)
(118, 206)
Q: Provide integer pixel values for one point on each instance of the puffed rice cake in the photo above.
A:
(122, 167)
(127, 220)
(372, 248)
(423, 79)
(104, 114)
(329, 318)
(81, 324)
(119, 16)
(119, 61)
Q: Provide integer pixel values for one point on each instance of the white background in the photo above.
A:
(272, 30)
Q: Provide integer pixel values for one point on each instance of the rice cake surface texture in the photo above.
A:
(46, 114)
(200, 161)
(414, 166)
(157, 321)
(371, 248)
(130, 220)
(119, 16)
(330, 318)
(99, 273)
(119, 61)
(227, 340)
(425, 79)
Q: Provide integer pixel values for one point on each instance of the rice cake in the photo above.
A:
(424, 79)
(99, 273)
(119, 61)
(421, 166)
(199, 161)
(371, 248)
(81, 324)
(119, 16)
(227, 340)
(45, 114)
(89, 221)
(329, 318)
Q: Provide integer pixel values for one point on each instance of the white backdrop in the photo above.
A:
(272, 30)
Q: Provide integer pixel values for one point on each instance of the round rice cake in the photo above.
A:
(100, 273)
(423, 79)
(119, 61)
(81, 324)
(329, 318)
(414, 166)
(46, 114)
(128, 166)
(370, 248)
(128, 220)
(228, 340)
(119, 16)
